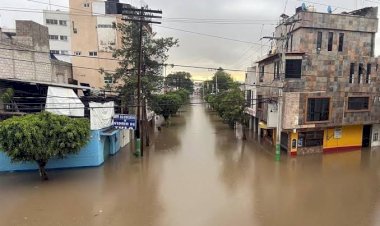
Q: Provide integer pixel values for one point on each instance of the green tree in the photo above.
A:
(166, 104)
(155, 53)
(229, 105)
(180, 80)
(223, 79)
(41, 137)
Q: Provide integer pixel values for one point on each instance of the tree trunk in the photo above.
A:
(43, 174)
(244, 134)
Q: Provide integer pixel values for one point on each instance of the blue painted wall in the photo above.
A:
(91, 155)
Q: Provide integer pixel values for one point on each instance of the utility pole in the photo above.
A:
(140, 16)
(284, 39)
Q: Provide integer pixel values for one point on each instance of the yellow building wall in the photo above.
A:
(351, 137)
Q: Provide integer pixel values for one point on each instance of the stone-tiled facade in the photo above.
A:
(324, 73)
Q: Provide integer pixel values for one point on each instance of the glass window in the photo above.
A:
(331, 39)
(78, 53)
(63, 22)
(318, 109)
(293, 69)
(93, 53)
(261, 74)
(259, 101)
(341, 40)
(319, 41)
(53, 37)
(108, 80)
(368, 74)
(64, 52)
(63, 38)
(358, 103)
(352, 73)
(54, 51)
(51, 21)
(360, 73)
(310, 139)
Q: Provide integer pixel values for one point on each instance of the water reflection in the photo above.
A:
(198, 173)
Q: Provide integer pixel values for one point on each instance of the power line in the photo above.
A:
(209, 35)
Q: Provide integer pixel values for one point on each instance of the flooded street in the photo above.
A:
(197, 173)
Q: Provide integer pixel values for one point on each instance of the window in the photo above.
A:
(93, 53)
(330, 44)
(50, 21)
(108, 80)
(78, 53)
(360, 73)
(358, 103)
(54, 51)
(310, 139)
(105, 26)
(86, 5)
(276, 71)
(341, 40)
(63, 22)
(376, 136)
(368, 74)
(261, 74)
(318, 109)
(64, 52)
(63, 38)
(319, 41)
(53, 37)
(293, 69)
(259, 101)
(352, 73)
(249, 98)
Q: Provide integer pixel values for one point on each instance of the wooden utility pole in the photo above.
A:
(142, 16)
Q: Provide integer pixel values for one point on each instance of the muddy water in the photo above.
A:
(198, 174)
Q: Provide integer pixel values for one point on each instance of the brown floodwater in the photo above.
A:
(198, 173)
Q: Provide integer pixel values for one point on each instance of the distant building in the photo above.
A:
(94, 36)
(329, 87)
(59, 26)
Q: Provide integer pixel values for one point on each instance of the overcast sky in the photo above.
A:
(244, 20)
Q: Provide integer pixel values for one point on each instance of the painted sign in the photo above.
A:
(123, 121)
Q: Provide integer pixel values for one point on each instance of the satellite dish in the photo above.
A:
(329, 9)
(304, 7)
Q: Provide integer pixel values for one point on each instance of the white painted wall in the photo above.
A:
(59, 30)
(250, 82)
(272, 115)
(106, 36)
(375, 140)
(98, 8)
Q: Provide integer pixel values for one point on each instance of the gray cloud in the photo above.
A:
(206, 51)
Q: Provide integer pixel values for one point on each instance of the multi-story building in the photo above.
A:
(58, 23)
(319, 85)
(94, 37)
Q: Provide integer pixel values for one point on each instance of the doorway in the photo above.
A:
(366, 136)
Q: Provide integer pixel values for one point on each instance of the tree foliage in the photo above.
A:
(41, 137)
(229, 104)
(180, 80)
(223, 79)
(169, 103)
(155, 53)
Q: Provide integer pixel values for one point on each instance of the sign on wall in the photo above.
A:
(123, 121)
(337, 133)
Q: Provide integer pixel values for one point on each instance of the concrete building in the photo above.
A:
(58, 23)
(319, 84)
(25, 56)
(94, 36)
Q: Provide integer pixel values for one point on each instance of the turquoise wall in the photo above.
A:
(91, 155)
